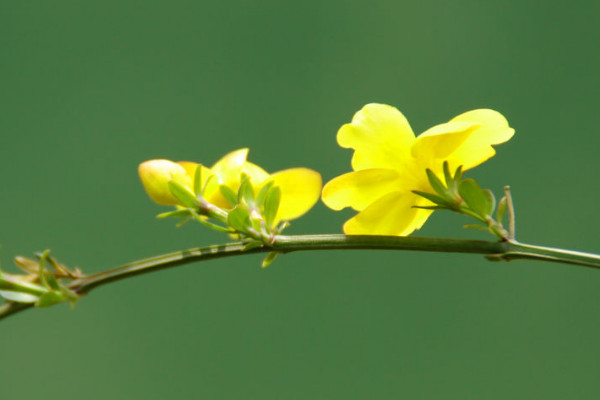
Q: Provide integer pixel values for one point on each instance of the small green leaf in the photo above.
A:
(18, 297)
(183, 222)
(458, 174)
(204, 221)
(501, 210)
(198, 179)
(262, 194)
(475, 226)
(269, 259)
(183, 195)
(49, 299)
(175, 214)
(239, 219)
(246, 192)
(434, 198)
(273, 197)
(252, 245)
(491, 202)
(431, 207)
(476, 198)
(229, 195)
(436, 183)
(448, 176)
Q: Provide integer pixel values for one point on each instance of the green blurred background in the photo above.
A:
(90, 89)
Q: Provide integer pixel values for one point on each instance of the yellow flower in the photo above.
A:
(300, 187)
(389, 163)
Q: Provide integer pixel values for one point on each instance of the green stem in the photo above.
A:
(498, 251)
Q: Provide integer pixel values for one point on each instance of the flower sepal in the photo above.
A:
(40, 286)
(466, 197)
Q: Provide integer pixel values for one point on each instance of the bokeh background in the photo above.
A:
(90, 89)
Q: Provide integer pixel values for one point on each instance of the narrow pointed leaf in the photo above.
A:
(434, 198)
(183, 222)
(239, 219)
(183, 195)
(18, 297)
(501, 210)
(475, 197)
(436, 183)
(246, 192)
(229, 195)
(475, 226)
(272, 200)
(204, 221)
(458, 174)
(431, 207)
(448, 176)
(269, 259)
(198, 179)
(252, 245)
(262, 194)
(175, 214)
(491, 202)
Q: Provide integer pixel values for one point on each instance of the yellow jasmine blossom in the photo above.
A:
(389, 163)
(300, 187)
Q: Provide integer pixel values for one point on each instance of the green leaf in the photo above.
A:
(434, 198)
(229, 195)
(458, 174)
(501, 210)
(49, 299)
(183, 195)
(18, 297)
(475, 226)
(183, 222)
(431, 207)
(14, 284)
(476, 198)
(269, 259)
(450, 183)
(273, 197)
(252, 245)
(204, 221)
(246, 192)
(175, 214)
(491, 202)
(262, 194)
(436, 183)
(198, 179)
(239, 219)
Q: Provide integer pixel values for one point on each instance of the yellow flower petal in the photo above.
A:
(380, 136)
(392, 214)
(434, 145)
(300, 190)
(256, 174)
(492, 129)
(360, 188)
(228, 169)
(190, 168)
(155, 176)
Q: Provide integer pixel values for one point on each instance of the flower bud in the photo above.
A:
(156, 175)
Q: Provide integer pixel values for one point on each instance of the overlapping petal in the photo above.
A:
(492, 129)
(300, 187)
(156, 175)
(380, 136)
(300, 190)
(392, 214)
(360, 188)
(389, 164)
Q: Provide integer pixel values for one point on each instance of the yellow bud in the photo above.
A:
(156, 175)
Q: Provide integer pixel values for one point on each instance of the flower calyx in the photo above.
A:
(43, 284)
(466, 197)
